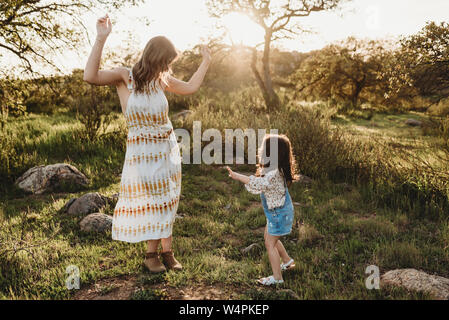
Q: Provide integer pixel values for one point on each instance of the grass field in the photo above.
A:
(338, 231)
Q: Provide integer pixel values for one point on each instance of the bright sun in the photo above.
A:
(241, 30)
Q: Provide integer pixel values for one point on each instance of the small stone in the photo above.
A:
(182, 115)
(96, 222)
(413, 123)
(251, 249)
(305, 180)
(87, 203)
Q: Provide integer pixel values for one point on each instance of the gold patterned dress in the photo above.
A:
(151, 178)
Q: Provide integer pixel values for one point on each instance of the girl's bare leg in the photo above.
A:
(273, 255)
(280, 248)
(282, 252)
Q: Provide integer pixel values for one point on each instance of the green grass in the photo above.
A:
(338, 231)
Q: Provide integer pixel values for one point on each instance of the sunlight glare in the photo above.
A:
(241, 30)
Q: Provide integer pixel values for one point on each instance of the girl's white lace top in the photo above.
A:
(272, 186)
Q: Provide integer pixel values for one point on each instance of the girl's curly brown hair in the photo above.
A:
(286, 162)
(154, 64)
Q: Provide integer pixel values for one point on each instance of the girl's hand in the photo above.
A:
(205, 52)
(237, 176)
(104, 27)
(231, 173)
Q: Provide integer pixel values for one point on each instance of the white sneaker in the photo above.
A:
(288, 265)
(269, 281)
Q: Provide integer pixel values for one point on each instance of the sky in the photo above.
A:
(188, 23)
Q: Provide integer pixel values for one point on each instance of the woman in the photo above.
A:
(151, 178)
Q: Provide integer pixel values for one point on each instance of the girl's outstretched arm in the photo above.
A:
(237, 176)
(181, 87)
(91, 72)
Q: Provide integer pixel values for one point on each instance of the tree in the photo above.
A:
(425, 57)
(30, 28)
(343, 71)
(279, 20)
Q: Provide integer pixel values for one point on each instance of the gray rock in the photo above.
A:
(413, 123)
(96, 222)
(87, 203)
(42, 179)
(182, 115)
(252, 249)
(305, 180)
(415, 280)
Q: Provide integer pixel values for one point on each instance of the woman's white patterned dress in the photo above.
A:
(151, 177)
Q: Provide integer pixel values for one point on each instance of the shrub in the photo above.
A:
(94, 111)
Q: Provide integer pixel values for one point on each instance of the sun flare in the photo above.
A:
(242, 30)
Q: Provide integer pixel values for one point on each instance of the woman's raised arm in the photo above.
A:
(92, 74)
(181, 87)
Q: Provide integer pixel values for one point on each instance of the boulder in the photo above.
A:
(96, 222)
(415, 280)
(413, 123)
(87, 203)
(53, 177)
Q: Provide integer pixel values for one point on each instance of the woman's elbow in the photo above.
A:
(191, 90)
(88, 78)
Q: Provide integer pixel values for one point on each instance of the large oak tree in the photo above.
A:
(279, 19)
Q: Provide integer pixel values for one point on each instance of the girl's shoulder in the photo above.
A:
(274, 173)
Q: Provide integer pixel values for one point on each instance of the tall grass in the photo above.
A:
(33, 140)
(394, 177)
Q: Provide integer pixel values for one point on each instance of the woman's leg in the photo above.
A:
(152, 261)
(153, 245)
(273, 255)
(167, 255)
(166, 244)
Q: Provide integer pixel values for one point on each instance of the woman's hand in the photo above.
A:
(205, 52)
(104, 27)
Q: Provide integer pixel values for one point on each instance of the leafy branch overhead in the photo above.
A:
(30, 29)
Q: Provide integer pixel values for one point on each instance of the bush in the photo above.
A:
(94, 111)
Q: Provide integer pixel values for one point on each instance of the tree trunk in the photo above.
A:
(355, 95)
(273, 101)
(259, 79)
(265, 83)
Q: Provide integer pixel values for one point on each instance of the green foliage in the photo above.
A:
(426, 57)
(94, 106)
(349, 72)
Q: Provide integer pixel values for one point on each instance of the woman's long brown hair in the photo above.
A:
(286, 163)
(154, 65)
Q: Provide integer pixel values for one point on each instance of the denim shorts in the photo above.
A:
(279, 220)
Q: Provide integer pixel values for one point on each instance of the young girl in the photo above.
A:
(271, 182)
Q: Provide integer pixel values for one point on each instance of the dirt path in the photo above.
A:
(123, 288)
